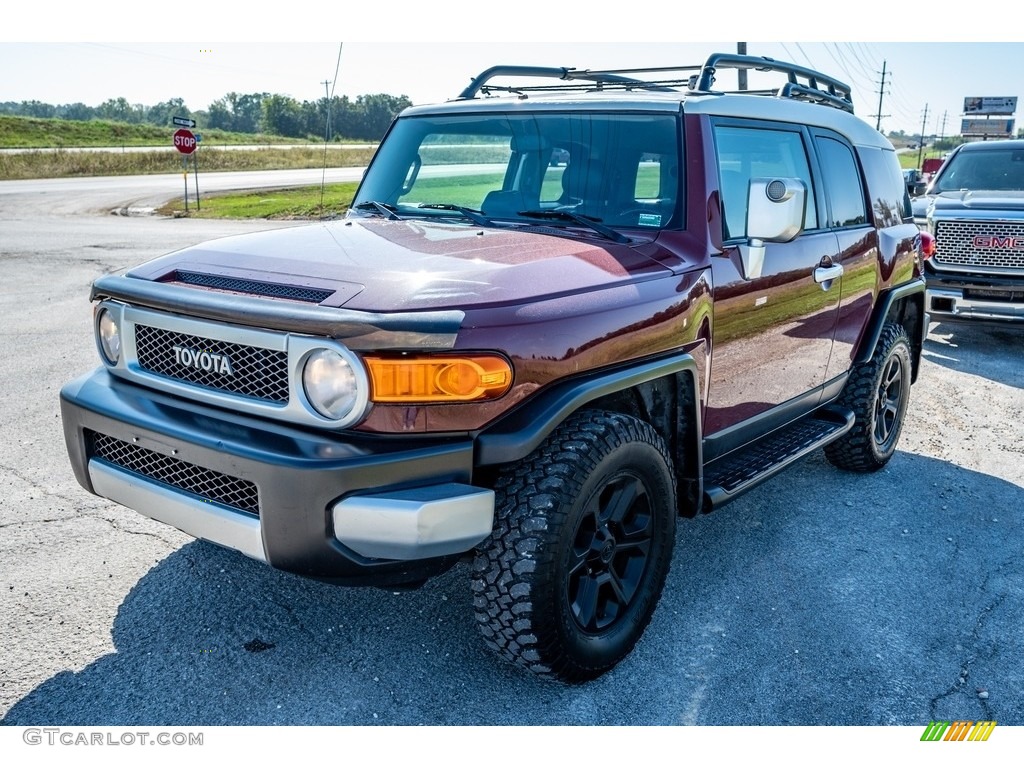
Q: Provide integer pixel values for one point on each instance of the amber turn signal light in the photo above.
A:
(438, 379)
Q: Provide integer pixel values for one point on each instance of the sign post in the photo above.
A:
(195, 166)
(185, 142)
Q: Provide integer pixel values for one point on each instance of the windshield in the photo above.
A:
(998, 169)
(615, 169)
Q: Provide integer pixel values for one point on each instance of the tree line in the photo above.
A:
(365, 118)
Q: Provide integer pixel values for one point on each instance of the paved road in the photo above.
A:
(204, 146)
(44, 199)
(821, 598)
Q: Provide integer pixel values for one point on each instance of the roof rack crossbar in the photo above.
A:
(797, 91)
(560, 73)
(647, 85)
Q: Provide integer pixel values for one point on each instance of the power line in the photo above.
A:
(864, 69)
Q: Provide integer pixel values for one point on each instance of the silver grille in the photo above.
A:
(955, 244)
(207, 484)
(255, 371)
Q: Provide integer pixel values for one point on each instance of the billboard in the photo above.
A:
(990, 105)
(995, 128)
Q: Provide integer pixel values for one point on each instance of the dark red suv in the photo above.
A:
(551, 325)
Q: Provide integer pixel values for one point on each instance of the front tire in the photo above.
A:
(584, 529)
(877, 392)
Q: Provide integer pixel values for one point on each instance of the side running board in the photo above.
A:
(732, 475)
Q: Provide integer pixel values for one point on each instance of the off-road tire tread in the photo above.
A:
(854, 451)
(533, 497)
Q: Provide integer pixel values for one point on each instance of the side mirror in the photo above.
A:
(775, 214)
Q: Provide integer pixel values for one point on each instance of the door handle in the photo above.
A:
(825, 275)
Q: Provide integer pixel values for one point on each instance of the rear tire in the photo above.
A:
(584, 529)
(877, 392)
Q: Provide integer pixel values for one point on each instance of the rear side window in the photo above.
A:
(890, 203)
(745, 153)
(842, 183)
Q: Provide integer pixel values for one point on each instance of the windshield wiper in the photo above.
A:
(385, 210)
(477, 217)
(584, 221)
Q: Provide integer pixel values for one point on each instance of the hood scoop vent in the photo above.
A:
(252, 287)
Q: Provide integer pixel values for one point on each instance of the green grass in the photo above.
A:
(295, 203)
(61, 164)
(37, 133)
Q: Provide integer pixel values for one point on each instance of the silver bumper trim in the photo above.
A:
(203, 520)
(417, 523)
(971, 308)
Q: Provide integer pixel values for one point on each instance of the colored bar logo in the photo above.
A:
(958, 730)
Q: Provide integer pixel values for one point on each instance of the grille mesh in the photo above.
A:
(255, 287)
(954, 242)
(256, 372)
(199, 481)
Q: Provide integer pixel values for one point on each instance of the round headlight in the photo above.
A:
(330, 384)
(109, 337)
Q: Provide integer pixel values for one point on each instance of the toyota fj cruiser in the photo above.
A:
(974, 210)
(561, 313)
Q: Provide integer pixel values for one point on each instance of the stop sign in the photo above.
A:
(184, 141)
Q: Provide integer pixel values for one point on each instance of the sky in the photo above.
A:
(90, 59)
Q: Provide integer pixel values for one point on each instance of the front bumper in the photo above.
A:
(964, 296)
(340, 507)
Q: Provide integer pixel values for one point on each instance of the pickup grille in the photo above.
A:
(207, 484)
(956, 244)
(255, 372)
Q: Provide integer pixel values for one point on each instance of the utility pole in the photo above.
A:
(920, 144)
(881, 93)
(741, 49)
(327, 138)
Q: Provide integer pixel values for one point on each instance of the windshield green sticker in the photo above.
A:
(649, 220)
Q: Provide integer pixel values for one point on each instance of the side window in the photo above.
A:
(745, 153)
(842, 183)
(649, 180)
(890, 204)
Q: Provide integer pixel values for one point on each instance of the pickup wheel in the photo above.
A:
(583, 536)
(877, 392)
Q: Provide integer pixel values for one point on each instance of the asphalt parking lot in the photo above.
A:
(822, 598)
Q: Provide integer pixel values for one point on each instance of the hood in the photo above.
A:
(380, 265)
(979, 199)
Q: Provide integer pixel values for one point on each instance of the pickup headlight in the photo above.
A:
(108, 337)
(330, 384)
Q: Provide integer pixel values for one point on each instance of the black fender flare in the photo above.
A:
(519, 432)
(883, 307)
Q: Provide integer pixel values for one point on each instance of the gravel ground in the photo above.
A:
(823, 597)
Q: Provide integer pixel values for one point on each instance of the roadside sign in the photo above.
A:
(184, 141)
(990, 105)
(184, 122)
(981, 127)
(199, 137)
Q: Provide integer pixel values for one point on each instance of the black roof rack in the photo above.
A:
(801, 82)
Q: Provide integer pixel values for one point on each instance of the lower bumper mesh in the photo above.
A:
(205, 483)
